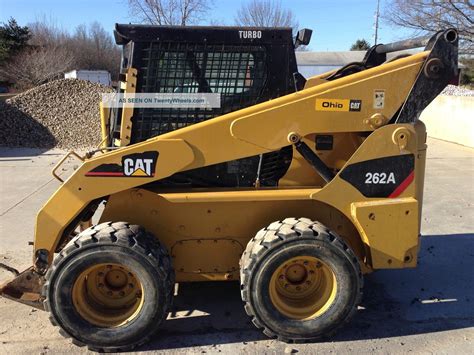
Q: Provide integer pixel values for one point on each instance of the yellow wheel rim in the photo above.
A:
(107, 295)
(303, 288)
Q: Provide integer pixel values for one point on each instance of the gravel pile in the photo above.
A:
(457, 91)
(62, 113)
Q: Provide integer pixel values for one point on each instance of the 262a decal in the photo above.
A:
(382, 177)
(133, 165)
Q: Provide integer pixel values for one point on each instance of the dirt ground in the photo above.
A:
(429, 309)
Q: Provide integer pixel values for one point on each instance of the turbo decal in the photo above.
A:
(133, 165)
(382, 177)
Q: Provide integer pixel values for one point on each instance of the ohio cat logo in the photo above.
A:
(341, 105)
(133, 165)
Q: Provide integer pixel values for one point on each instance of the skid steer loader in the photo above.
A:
(296, 187)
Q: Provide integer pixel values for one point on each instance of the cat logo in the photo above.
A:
(133, 165)
(137, 167)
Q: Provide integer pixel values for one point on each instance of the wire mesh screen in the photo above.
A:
(237, 73)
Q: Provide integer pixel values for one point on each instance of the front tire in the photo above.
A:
(110, 288)
(299, 280)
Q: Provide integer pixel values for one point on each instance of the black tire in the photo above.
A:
(280, 242)
(111, 243)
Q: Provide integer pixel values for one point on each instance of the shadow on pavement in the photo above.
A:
(436, 296)
(22, 154)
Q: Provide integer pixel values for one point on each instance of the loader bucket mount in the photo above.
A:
(24, 288)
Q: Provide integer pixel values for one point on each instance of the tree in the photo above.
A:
(467, 74)
(91, 46)
(360, 45)
(265, 13)
(13, 38)
(434, 15)
(52, 51)
(169, 12)
(45, 32)
(36, 66)
(94, 49)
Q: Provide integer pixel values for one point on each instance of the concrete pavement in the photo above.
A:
(424, 310)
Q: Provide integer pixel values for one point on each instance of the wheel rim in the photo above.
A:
(107, 295)
(303, 287)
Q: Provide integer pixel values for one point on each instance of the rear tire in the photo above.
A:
(110, 288)
(299, 280)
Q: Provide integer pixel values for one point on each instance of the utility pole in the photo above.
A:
(377, 14)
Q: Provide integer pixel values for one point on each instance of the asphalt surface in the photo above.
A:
(429, 309)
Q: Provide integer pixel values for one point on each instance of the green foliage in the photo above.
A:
(360, 45)
(3, 52)
(13, 38)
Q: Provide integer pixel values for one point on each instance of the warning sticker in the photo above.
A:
(379, 99)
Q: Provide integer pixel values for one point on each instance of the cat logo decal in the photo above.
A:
(133, 165)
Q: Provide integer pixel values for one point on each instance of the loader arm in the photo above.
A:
(325, 108)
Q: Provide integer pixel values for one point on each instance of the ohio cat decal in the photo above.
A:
(133, 165)
(383, 177)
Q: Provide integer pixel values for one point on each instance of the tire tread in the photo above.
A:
(270, 237)
(115, 233)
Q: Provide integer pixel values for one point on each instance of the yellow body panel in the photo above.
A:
(233, 216)
(207, 216)
(128, 87)
(104, 125)
(77, 191)
(399, 218)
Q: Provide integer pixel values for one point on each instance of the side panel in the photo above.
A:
(206, 232)
(390, 231)
(379, 210)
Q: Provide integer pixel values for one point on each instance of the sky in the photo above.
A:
(336, 24)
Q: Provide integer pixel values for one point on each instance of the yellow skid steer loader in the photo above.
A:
(296, 187)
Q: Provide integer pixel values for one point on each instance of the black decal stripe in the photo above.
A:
(401, 166)
(116, 170)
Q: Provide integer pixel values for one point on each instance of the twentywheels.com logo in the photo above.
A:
(162, 100)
